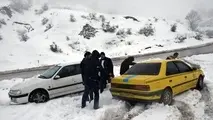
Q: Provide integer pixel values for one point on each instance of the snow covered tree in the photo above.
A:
(44, 21)
(54, 48)
(48, 27)
(193, 19)
(23, 35)
(121, 33)
(42, 9)
(102, 18)
(174, 28)
(20, 5)
(106, 27)
(72, 18)
(198, 36)
(6, 11)
(129, 31)
(180, 38)
(1, 37)
(88, 31)
(147, 31)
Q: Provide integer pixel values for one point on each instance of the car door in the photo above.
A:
(63, 84)
(188, 74)
(174, 78)
(77, 79)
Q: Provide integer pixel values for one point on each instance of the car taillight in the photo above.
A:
(142, 87)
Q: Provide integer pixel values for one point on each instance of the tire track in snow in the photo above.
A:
(208, 102)
(134, 111)
(115, 112)
(185, 110)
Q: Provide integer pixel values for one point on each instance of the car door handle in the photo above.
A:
(170, 80)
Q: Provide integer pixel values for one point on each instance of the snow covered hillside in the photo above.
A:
(191, 105)
(25, 38)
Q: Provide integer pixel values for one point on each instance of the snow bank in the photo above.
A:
(205, 61)
(160, 112)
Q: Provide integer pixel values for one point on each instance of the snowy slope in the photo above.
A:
(16, 54)
(191, 105)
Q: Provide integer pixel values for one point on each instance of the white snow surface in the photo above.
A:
(16, 54)
(69, 107)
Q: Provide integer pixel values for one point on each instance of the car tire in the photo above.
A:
(166, 97)
(200, 83)
(39, 96)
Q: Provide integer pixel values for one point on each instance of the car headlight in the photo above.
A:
(15, 92)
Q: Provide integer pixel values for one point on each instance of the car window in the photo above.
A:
(50, 72)
(77, 69)
(70, 71)
(66, 71)
(171, 69)
(182, 66)
(144, 69)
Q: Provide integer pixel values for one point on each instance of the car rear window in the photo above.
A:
(144, 69)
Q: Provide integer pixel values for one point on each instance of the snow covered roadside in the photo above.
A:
(36, 50)
(206, 63)
(188, 105)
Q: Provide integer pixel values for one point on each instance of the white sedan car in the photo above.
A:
(57, 81)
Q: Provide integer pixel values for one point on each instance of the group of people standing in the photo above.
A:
(97, 71)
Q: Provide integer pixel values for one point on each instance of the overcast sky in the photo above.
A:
(170, 9)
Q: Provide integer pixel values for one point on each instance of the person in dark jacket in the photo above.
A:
(108, 73)
(84, 66)
(125, 64)
(92, 82)
(174, 56)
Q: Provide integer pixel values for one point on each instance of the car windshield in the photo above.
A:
(50, 72)
(191, 64)
(144, 69)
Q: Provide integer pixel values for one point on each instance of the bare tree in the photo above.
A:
(193, 19)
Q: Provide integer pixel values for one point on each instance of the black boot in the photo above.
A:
(96, 105)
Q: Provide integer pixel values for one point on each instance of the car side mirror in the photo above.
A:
(194, 68)
(57, 77)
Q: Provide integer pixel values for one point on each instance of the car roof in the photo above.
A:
(159, 61)
(68, 63)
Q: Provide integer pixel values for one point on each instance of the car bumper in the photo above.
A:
(19, 98)
(134, 95)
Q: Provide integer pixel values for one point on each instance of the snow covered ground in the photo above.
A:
(190, 105)
(16, 54)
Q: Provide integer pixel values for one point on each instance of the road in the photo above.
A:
(195, 50)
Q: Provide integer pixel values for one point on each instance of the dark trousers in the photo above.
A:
(90, 97)
(103, 83)
(87, 91)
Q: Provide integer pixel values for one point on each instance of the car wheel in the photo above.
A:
(39, 97)
(200, 83)
(166, 97)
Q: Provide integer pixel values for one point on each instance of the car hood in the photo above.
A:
(27, 83)
(133, 79)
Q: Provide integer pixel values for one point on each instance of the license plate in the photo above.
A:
(126, 94)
